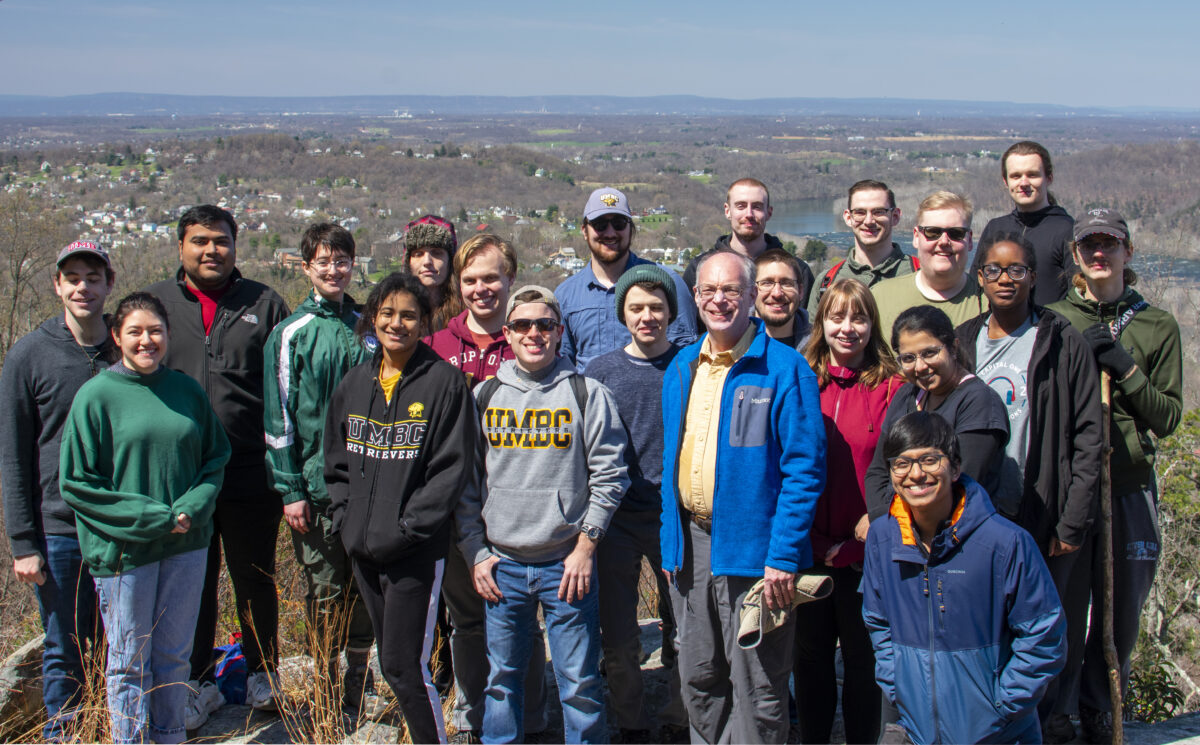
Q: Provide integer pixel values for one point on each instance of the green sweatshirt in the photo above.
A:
(1148, 401)
(306, 356)
(137, 450)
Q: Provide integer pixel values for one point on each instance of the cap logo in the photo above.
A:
(609, 199)
(1098, 212)
(417, 410)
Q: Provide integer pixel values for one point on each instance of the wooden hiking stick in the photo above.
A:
(1106, 536)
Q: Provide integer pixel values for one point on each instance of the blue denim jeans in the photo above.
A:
(67, 604)
(150, 616)
(573, 632)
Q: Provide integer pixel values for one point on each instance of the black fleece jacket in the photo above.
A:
(227, 362)
(395, 470)
(1050, 230)
(41, 374)
(1062, 468)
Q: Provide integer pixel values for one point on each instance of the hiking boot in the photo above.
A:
(203, 700)
(1097, 725)
(263, 691)
(358, 692)
(1058, 730)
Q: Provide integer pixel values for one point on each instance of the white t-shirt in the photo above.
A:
(1004, 365)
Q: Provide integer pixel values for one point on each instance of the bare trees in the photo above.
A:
(31, 233)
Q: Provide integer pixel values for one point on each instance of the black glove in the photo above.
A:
(1109, 352)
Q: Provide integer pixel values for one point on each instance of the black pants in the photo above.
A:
(820, 625)
(247, 526)
(402, 600)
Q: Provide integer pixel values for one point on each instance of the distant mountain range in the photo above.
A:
(156, 104)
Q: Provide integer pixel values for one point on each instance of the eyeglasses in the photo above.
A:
(341, 264)
(879, 213)
(618, 223)
(523, 325)
(787, 285)
(927, 356)
(708, 292)
(930, 463)
(933, 233)
(1015, 272)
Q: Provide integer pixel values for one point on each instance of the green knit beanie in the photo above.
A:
(647, 273)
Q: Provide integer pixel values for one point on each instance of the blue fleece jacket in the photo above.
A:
(770, 463)
(968, 636)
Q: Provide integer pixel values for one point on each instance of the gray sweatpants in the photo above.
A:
(630, 536)
(732, 695)
(468, 648)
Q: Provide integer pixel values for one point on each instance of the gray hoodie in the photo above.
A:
(546, 474)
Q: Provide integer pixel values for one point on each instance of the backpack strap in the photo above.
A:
(579, 388)
(830, 275)
(487, 389)
(916, 263)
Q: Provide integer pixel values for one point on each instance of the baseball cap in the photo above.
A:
(606, 201)
(533, 294)
(1102, 220)
(84, 248)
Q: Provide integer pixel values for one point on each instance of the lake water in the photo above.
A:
(822, 219)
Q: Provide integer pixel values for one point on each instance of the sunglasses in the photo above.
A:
(618, 223)
(932, 233)
(523, 325)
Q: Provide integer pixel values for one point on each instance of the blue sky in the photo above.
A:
(1081, 54)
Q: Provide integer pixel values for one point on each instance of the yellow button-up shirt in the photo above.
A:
(698, 453)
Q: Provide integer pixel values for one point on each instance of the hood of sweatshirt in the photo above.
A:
(1035, 218)
(542, 380)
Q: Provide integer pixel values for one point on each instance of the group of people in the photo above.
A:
(457, 453)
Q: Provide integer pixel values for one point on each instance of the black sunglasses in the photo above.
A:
(932, 234)
(522, 325)
(618, 222)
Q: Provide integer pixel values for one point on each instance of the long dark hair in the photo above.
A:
(392, 283)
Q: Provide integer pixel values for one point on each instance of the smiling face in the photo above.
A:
(1027, 182)
(609, 246)
(926, 493)
(330, 273)
(208, 255)
(932, 367)
(429, 265)
(847, 332)
(942, 257)
(83, 287)
(871, 218)
(1005, 293)
(725, 316)
(398, 326)
(533, 348)
(646, 315)
(484, 284)
(777, 304)
(142, 339)
(747, 211)
(1102, 257)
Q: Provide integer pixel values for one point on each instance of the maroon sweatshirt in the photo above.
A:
(853, 414)
(456, 345)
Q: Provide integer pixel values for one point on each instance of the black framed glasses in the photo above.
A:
(601, 224)
(933, 233)
(1015, 272)
(523, 325)
(785, 284)
(930, 463)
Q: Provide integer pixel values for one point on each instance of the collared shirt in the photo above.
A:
(589, 310)
(698, 453)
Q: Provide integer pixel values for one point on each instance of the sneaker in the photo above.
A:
(263, 691)
(1058, 730)
(358, 692)
(1096, 725)
(203, 700)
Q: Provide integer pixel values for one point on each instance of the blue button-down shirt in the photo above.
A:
(590, 315)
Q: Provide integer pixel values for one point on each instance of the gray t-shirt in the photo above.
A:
(1004, 365)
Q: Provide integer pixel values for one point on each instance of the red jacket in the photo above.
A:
(456, 345)
(853, 414)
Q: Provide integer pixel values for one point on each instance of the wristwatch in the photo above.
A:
(591, 531)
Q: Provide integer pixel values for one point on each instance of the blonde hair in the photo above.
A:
(850, 295)
(474, 245)
(944, 200)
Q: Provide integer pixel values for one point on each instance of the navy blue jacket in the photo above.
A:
(967, 637)
(770, 462)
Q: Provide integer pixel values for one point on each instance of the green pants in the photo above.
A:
(336, 615)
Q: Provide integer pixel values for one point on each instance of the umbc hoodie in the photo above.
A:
(547, 473)
(395, 470)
